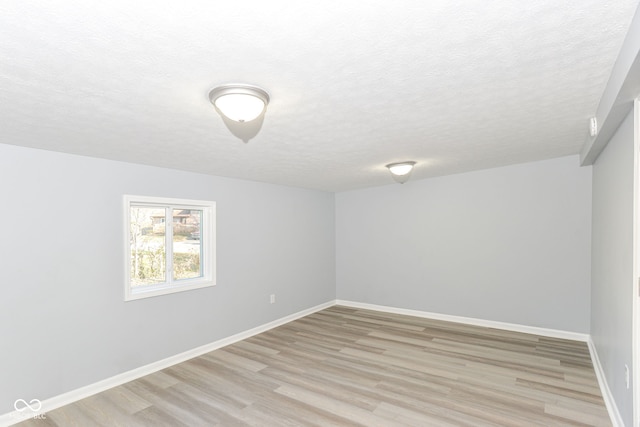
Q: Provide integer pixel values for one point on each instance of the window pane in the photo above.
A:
(147, 246)
(187, 246)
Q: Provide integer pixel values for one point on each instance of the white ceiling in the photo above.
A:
(453, 85)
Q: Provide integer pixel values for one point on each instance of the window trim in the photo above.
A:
(207, 240)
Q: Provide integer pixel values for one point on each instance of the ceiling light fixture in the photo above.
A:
(239, 102)
(401, 171)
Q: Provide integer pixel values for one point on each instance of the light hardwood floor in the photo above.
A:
(351, 367)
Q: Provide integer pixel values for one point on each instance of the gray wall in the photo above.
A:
(63, 321)
(510, 244)
(612, 263)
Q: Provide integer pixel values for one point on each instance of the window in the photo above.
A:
(169, 245)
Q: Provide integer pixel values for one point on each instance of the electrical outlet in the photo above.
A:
(626, 375)
(272, 299)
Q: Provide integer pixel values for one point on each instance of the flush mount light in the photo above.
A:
(401, 171)
(239, 102)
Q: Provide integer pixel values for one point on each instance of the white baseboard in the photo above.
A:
(609, 401)
(553, 333)
(89, 390)
(100, 386)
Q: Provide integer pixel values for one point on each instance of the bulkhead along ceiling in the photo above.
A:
(453, 85)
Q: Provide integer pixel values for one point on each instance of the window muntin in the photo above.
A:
(169, 245)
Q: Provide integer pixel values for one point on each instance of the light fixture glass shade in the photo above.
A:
(401, 171)
(240, 103)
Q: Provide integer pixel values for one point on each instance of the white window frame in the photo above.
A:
(207, 240)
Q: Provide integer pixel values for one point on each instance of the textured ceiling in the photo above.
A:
(455, 86)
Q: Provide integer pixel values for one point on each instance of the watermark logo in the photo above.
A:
(21, 405)
(29, 409)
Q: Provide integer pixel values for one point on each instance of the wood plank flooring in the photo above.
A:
(351, 367)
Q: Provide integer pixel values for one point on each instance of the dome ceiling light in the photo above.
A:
(239, 102)
(401, 171)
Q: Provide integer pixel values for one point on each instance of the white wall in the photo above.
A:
(510, 244)
(63, 321)
(612, 263)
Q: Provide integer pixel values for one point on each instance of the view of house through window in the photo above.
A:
(167, 245)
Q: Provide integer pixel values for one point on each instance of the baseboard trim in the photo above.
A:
(609, 401)
(100, 386)
(552, 333)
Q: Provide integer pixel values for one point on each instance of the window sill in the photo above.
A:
(153, 291)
